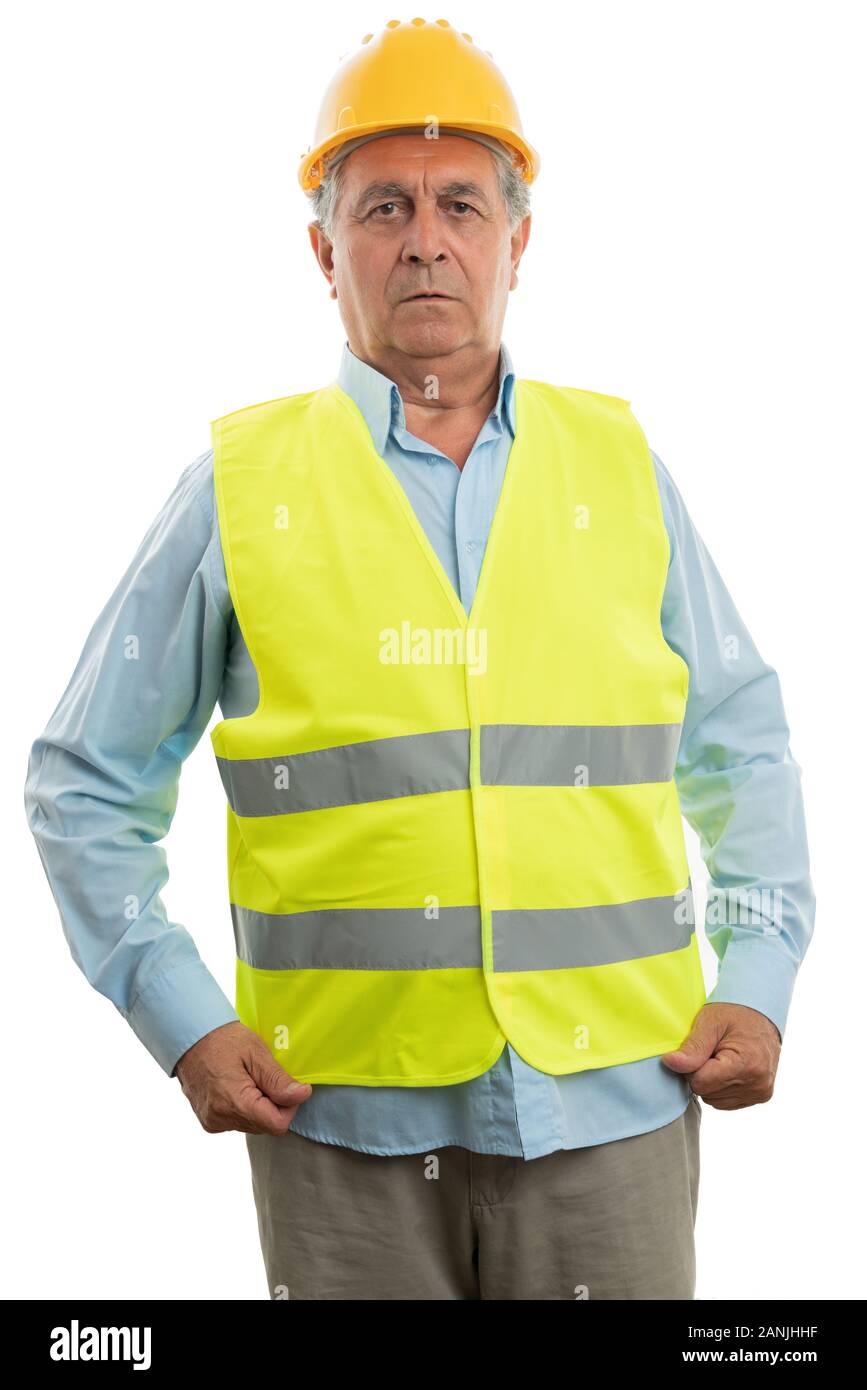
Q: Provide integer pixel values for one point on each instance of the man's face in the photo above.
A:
(414, 216)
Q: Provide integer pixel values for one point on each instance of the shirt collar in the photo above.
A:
(379, 400)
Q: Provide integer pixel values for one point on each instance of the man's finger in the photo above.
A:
(275, 1083)
(732, 1098)
(259, 1115)
(695, 1050)
(718, 1072)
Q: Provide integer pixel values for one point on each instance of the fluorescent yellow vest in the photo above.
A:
(445, 831)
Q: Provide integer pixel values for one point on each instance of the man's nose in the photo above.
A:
(424, 235)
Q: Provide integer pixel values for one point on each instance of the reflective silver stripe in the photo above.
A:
(402, 938)
(520, 755)
(562, 938)
(556, 755)
(376, 770)
(393, 938)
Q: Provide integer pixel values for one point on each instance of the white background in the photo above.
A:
(697, 247)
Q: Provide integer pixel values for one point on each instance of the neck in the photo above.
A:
(444, 405)
(439, 384)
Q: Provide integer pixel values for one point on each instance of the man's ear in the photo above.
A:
(323, 250)
(520, 237)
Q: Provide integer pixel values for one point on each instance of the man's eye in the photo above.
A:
(456, 204)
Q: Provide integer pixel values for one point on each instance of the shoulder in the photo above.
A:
(195, 487)
(196, 516)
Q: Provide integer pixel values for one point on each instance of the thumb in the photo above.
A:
(697, 1049)
(276, 1083)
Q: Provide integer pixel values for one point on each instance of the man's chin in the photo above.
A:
(426, 340)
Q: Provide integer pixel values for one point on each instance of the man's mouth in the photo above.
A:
(425, 295)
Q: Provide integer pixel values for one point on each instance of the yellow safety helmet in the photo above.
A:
(413, 74)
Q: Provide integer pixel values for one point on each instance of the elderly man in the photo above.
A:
(473, 662)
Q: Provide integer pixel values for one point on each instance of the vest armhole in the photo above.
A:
(225, 540)
(654, 483)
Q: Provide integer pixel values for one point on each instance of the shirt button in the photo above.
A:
(432, 458)
(469, 546)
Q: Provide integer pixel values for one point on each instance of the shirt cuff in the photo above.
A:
(176, 1010)
(758, 971)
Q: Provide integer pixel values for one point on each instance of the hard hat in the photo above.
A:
(413, 74)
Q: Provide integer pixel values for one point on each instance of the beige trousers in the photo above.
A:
(611, 1221)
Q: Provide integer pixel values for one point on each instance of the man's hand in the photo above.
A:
(732, 1054)
(232, 1082)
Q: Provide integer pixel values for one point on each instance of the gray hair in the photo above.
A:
(513, 186)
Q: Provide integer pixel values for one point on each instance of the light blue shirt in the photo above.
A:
(103, 780)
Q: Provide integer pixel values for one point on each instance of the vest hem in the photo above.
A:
(616, 1059)
(452, 1079)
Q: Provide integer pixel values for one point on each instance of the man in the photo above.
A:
(473, 661)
